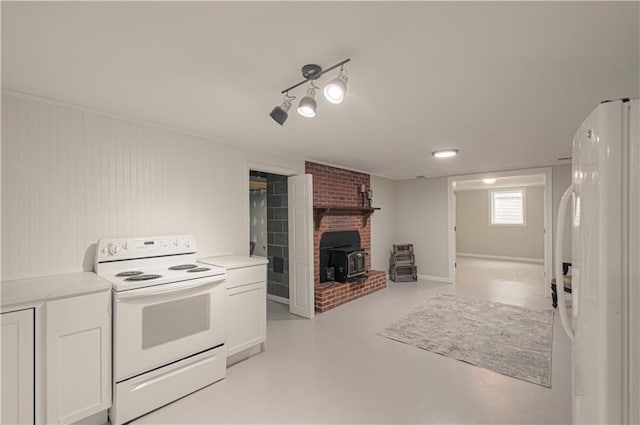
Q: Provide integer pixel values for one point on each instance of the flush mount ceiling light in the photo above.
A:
(489, 180)
(281, 113)
(334, 91)
(445, 153)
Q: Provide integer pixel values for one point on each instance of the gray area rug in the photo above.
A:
(511, 340)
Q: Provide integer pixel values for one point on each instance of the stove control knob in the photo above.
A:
(113, 249)
(125, 245)
(175, 242)
(187, 243)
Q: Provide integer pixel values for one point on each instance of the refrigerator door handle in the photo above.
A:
(562, 307)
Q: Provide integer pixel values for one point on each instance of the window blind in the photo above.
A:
(507, 207)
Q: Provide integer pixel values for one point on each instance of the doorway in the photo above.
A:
(501, 216)
(280, 228)
(269, 229)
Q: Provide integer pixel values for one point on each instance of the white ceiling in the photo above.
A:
(507, 83)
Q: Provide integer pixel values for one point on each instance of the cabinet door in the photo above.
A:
(17, 367)
(78, 357)
(246, 316)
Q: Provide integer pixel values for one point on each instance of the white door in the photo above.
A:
(301, 293)
(633, 313)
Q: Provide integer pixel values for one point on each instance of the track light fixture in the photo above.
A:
(334, 92)
(281, 113)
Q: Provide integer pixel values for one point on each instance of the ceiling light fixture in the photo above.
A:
(307, 105)
(445, 153)
(281, 113)
(334, 91)
(489, 180)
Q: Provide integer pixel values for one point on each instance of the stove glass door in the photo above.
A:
(356, 264)
(154, 329)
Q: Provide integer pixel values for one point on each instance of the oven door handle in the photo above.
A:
(169, 288)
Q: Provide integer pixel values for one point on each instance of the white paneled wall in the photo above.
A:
(70, 177)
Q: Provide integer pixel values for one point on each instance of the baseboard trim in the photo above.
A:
(245, 354)
(434, 278)
(278, 299)
(95, 419)
(502, 257)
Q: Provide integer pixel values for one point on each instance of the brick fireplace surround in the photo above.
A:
(338, 187)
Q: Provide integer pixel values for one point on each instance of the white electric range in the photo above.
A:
(168, 321)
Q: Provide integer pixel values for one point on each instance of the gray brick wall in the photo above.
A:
(277, 236)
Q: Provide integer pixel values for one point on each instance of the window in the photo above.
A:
(507, 206)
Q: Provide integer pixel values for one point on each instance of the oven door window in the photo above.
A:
(173, 320)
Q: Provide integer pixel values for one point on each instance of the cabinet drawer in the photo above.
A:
(246, 276)
(139, 395)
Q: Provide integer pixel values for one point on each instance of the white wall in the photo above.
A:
(70, 177)
(475, 234)
(422, 217)
(383, 221)
(562, 180)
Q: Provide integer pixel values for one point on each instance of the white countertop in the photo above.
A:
(24, 293)
(231, 262)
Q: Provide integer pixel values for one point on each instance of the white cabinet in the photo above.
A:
(18, 367)
(246, 311)
(78, 357)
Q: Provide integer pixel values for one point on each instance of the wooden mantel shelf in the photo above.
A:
(319, 211)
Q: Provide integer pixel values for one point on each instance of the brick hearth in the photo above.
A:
(330, 295)
(338, 187)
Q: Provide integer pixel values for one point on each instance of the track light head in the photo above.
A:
(307, 105)
(281, 113)
(335, 90)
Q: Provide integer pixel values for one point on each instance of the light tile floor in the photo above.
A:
(335, 369)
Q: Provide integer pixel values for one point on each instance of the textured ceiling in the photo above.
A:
(507, 83)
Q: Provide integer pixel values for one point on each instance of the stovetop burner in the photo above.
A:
(199, 269)
(183, 267)
(143, 277)
(129, 273)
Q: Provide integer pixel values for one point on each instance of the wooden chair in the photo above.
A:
(566, 283)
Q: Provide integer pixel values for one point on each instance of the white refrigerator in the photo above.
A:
(603, 321)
